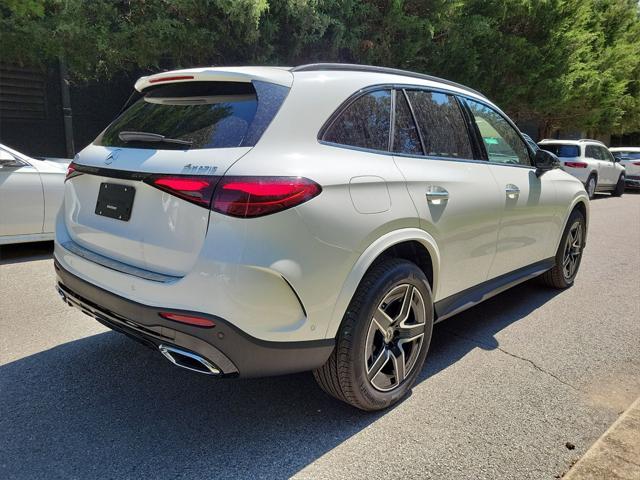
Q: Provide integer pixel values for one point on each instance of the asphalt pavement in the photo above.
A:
(519, 387)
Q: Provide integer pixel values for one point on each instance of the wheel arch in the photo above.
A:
(581, 203)
(412, 244)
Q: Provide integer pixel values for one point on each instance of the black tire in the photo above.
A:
(587, 186)
(345, 374)
(557, 277)
(619, 187)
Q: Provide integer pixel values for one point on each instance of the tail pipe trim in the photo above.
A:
(188, 360)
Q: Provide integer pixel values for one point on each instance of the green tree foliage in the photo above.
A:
(567, 63)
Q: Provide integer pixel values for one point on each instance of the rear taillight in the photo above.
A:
(636, 163)
(576, 164)
(194, 189)
(248, 197)
(244, 197)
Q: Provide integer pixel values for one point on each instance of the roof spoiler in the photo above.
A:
(277, 75)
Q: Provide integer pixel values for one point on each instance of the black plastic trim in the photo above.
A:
(245, 355)
(112, 172)
(470, 297)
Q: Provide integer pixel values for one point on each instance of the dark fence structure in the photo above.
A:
(43, 114)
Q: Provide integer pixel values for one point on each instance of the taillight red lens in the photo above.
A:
(171, 79)
(576, 164)
(71, 170)
(637, 163)
(195, 189)
(248, 197)
(188, 319)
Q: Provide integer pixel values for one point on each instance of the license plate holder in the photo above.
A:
(115, 201)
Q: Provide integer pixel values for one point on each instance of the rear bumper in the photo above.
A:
(228, 348)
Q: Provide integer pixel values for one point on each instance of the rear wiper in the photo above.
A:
(149, 137)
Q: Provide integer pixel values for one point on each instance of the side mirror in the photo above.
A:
(545, 161)
(616, 158)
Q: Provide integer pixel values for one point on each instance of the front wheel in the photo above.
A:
(569, 254)
(619, 187)
(383, 339)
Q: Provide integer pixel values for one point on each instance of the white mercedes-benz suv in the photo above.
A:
(259, 221)
(591, 162)
(629, 158)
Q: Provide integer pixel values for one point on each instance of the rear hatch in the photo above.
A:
(568, 154)
(132, 196)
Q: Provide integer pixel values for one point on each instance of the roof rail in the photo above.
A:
(591, 140)
(311, 67)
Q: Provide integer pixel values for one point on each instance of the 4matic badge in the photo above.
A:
(199, 169)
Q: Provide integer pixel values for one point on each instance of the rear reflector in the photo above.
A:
(194, 189)
(249, 197)
(188, 319)
(576, 164)
(171, 79)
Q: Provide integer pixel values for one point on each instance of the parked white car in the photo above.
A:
(591, 162)
(260, 221)
(629, 158)
(31, 192)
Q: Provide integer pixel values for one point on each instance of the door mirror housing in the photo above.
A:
(545, 161)
(616, 157)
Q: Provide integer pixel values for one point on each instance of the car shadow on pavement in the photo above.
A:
(25, 252)
(477, 327)
(104, 406)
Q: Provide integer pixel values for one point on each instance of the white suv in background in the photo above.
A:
(591, 162)
(629, 158)
(258, 221)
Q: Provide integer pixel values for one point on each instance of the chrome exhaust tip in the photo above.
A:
(188, 360)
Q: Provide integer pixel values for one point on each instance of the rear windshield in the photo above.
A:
(197, 115)
(627, 155)
(562, 150)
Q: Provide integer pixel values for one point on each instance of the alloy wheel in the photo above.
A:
(591, 187)
(572, 250)
(395, 337)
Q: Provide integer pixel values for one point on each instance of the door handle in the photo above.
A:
(512, 190)
(436, 194)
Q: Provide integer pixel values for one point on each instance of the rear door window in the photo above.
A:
(591, 151)
(198, 115)
(442, 126)
(365, 123)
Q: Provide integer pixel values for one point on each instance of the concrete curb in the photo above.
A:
(616, 454)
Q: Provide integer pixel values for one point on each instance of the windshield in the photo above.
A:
(562, 151)
(197, 115)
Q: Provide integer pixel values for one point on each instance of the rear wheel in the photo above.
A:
(619, 187)
(590, 186)
(569, 253)
(384, 338)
